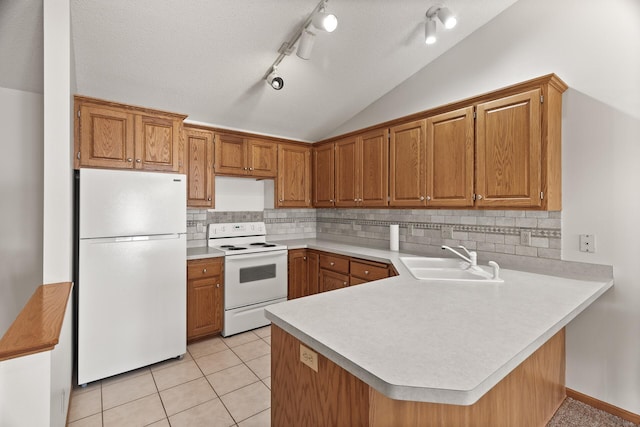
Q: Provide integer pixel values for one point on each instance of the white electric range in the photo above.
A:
(255, 273)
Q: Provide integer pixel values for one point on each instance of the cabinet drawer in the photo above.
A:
(369, 271)
(334, 263)
(204, 268)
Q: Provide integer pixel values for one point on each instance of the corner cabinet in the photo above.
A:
(118, 136)
(293, 188)
(238, 155)
(205, 297)
(199, 167)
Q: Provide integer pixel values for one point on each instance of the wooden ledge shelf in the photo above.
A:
(37, 327)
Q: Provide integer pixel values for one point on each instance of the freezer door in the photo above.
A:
(131, 304)
(128, 203)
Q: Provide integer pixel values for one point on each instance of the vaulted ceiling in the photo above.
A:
(207, 58)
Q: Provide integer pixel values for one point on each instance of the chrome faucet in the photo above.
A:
(471, 259)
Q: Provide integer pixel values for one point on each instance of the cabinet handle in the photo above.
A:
(331, 200)
(250, 169)
(428, 198)
(355, 200)
(479, 196)
(421, 198)
(204, 270)
(138, 161)
(217, 285)
(344, 283)
(366, 272)
(304, 258)
(244, 169)
(129, 159)
(332, 263)
(209, 199)
(281, 200)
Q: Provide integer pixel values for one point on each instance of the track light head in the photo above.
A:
(447, 17)
(430, 31)
(307, 38)
(325, 21)
(274, 80)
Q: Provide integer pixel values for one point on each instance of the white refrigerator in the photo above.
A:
(131, 271)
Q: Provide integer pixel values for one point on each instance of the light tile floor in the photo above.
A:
(219, 382)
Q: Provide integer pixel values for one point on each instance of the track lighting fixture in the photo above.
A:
(446, 17)
(304, 38)
(275, 80)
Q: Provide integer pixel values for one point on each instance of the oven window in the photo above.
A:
(260, 272)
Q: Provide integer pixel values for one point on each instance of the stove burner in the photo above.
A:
(236, 248)
(258, 244)
(269, 246)
(226, 246)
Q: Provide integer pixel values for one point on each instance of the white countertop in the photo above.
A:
(439, 342)
(203, 252)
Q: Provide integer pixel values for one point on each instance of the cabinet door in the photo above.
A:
(157, 143)
(294, 176)
(323, 176)
(262, 158)
(374, 168)
(450, 159)
(297, 278)
(406, 164)
(330, 280)
(199, 158)
(347, 172)
(508, 144)
(106, 137)
(313, 265)
(230, 155)
(204, 306)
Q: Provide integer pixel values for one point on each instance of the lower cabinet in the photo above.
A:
(312, 271)
(205, 297)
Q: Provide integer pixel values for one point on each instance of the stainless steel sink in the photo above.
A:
(447, 269)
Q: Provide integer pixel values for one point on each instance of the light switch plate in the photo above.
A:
(525, 238)
(309, 357)
(587, 243)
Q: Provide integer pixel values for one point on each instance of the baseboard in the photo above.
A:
(604, 406)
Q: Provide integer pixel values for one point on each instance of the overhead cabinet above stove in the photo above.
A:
(238, 155)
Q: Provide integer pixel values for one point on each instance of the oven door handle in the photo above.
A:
(242, 257)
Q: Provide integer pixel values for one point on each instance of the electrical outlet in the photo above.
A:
(447, 232)
(525, 238)
(587, 243)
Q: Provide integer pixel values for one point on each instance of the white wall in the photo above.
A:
(58, 185)
(21, 195)
(595, 49)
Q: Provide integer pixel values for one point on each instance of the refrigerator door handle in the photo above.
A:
(135, 238)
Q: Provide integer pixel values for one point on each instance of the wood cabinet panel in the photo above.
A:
(230, 154)
(199, 167)
(262, 158)
(368, 271)
(374, 168)
(323, 176)
(106, 137)
(508, 159)
(450, 158)
(205, 297)
(331, 280)
(333, 262)
(347, 172)
(294, 176)
(157, 143)
(297, 275)
(407, 151)
(313, 272)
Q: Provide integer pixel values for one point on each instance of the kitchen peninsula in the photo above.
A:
(401, 351)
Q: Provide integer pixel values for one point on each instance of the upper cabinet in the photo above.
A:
(323, 176)
(199, 167)
(293, 184)
(241, 156)
(508, 151)
(362, 165)
(449, 159)
(407, 161)
(118, 136)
